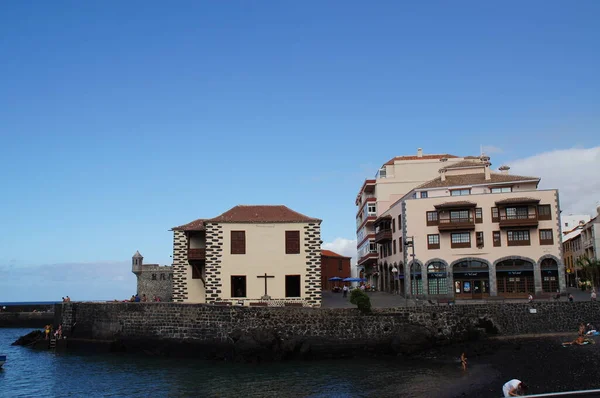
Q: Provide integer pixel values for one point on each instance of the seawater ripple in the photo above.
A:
(30, 373)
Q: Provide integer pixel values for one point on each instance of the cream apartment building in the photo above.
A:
(250, 255)
(394, 179)
(475, 233)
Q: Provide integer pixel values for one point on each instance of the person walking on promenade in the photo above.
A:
(345, 291)
(463, 361)
(593, 295)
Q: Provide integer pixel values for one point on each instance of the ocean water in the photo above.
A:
(29, 373)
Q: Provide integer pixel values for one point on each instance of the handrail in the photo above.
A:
(565, 393)
(504, 217)
(461, 220)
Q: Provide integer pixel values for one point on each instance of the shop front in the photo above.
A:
(416, 280)
(471, 279)
(549, 269)
(437, 278)
(514, 278)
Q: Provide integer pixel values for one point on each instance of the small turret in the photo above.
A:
(136, 262)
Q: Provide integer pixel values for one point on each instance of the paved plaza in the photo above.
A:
(387, 300)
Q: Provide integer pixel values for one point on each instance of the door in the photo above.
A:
(477, 293)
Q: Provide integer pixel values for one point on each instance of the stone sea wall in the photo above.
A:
(247, 332)
(25, 319)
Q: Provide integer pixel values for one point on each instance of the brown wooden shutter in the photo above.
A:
(292, 242)
(238, 242)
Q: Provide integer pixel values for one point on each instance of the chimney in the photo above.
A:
(443, 174)
(504, 169)
(420, 152)
(488, 175)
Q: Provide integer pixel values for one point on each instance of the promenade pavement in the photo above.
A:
(387, 300)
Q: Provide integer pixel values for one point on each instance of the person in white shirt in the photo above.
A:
(513, 388)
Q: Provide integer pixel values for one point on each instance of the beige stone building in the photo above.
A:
(251, 255)
(581, 242)
(475, 233)
(394, 179)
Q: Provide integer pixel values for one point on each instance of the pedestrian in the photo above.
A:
(514, 388)
(463, 361)
(593, 295)
(345, 291)
(570, 298)
(530, 298)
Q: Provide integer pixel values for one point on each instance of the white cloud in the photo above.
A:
(574, 172)
(489, 149)
(343, 246)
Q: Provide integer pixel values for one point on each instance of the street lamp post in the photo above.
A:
(410, 242)
(395, 272)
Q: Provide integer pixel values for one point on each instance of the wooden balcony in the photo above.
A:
(384, 235)
(456, 224)
(518, 220)
(196, 254)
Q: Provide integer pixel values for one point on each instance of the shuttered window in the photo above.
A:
(292, 242)
(238, 242)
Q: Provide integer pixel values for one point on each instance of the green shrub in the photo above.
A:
(361, 300)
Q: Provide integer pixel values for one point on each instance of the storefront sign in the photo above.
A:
(436, 275)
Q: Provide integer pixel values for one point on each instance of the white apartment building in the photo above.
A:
(394, 179)
(475, 233)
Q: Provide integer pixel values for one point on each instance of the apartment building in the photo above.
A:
(572, 252)
(250, 255)
(393, 180)
(472, 233)
(571, 221)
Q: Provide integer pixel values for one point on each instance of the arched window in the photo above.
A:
(437, 278)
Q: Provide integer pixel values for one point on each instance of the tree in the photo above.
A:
(590, 269)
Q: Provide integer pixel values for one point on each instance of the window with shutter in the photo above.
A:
(238, 242)
(292, 242)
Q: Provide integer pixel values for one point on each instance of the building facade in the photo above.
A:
(333, 265)
(580, 243)
(472, 233)
(153, 280)
(250, 255)
(393, 180)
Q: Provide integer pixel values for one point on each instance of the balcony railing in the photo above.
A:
(453, 224)
(383, 235)
(518, 220)
(367, 258)
(196, 254)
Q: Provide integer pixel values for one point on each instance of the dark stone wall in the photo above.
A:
(25, 319)
(283, 331)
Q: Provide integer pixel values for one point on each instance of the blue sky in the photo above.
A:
(120, 120)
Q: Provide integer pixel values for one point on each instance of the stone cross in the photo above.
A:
(265, 276)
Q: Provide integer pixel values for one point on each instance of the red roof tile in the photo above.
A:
(261, 214)
(474, 179)
(329, 253)
(196, 225)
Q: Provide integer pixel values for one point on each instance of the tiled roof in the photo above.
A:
(458, 203)
(465, 163)
(474, 179)
(261, 214)
(329, 253)
(517, 200)
(424, 157)
(196, 225)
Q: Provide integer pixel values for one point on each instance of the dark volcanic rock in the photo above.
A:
(410, 339)
(30, 338)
